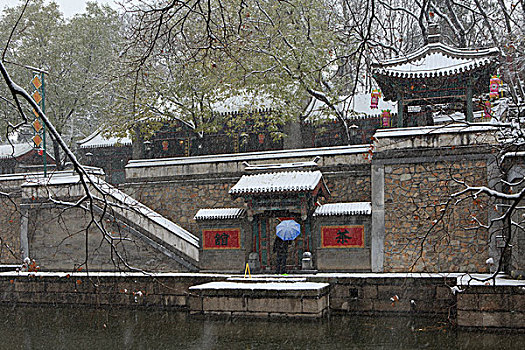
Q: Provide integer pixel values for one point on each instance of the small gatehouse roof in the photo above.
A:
(220, 214)
(279, 182)
(352, 208)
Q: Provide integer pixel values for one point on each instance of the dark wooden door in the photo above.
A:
(265, 229)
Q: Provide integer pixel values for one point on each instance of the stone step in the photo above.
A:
(266, 279)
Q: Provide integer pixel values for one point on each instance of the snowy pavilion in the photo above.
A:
(436, 77)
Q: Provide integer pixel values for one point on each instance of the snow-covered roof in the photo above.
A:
(353, 107)
(354, 208)
(244, 101)
(293, 181)
(97, 139)
(219, 214)
(15, 150)
(433, 60)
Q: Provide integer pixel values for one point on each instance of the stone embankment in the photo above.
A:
(480, 305)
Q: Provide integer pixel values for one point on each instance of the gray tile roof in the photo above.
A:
(289, 181)
(219, 214)
(354, 208)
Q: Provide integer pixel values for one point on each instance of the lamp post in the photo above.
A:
(39, 95)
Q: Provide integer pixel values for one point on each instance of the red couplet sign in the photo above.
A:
(346, 236)
(229, 238)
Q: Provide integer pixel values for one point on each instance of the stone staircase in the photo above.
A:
(114, 205)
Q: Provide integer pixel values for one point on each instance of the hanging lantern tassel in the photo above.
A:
(495, 83)
(487, 109)
(386, 116)
(376, 94)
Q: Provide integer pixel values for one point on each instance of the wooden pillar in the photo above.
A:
(468, 97)
(399, 110)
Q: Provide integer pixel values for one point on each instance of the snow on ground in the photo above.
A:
(262, 286)
(463, 279)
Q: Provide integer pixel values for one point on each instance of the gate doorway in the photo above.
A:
(264, 229)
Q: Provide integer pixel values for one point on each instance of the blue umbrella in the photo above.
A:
(288, 230)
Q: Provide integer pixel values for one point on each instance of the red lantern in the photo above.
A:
(376, 94)
(165, 145)
(386, 116)
(495, 82)
(261, 139)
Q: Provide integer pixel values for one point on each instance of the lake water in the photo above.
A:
(29, 327)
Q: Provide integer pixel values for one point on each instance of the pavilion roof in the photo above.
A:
(435, 60)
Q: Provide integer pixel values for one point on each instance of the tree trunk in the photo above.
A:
(56, 154)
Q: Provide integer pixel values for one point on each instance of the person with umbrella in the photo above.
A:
(287, 231)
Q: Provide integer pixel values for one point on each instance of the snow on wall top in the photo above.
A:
(311, 164)
(219, 214)
(15, 150)
(293, 181)
(251, 156)
(97, 139)
(354, 208)
(435, 59)
(432, 130)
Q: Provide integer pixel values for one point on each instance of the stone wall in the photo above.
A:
(10, 230)
(57, 241)
(342, 259)
(100, 289)
(479, 306)
(492, 307)
(369, 294)
(179, 201)
(421, 221)
(178, 188)
(225, 260)
(10, 216)
(422, 231)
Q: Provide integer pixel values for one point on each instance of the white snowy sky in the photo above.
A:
(68, 7)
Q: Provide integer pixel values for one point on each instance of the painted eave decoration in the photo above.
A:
(335, 209)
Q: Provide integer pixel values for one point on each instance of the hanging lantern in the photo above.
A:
(495, 83)
(376, 94)
(386, 116)
(261, 139)
(165, 145)
(487, 110)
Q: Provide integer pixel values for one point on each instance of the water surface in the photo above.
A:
(29, 327)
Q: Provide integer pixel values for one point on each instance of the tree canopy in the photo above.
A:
(77, 55)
